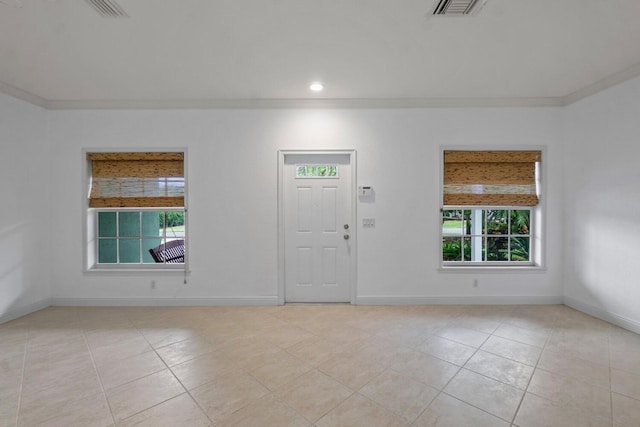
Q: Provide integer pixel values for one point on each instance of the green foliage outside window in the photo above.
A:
(316, 171)
(504, 235)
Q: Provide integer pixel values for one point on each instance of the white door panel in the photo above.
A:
(317, 256)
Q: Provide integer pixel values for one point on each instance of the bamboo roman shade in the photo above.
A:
(490, 178)
(154, 179)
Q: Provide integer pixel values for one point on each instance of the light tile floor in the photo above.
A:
(318, 365)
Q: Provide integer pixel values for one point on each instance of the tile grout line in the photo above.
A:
(549, 344)
(535, 368)
(440, 392)
(313, 368)
(460, 367)
(463, 367)
(95, 368)
(316, 368)
(174, 376)
(610, 378)
(23, 374)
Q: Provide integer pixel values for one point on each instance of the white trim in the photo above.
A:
(353, 220)
(15, 313)
(136, 271)
(609, 81)
(592, 310)
(297, 103)
(84, 203)
(539, 224)
(491, 269)
(23, 95)
(600, 313)
(392, 103)
(461, 300)
(163, 302)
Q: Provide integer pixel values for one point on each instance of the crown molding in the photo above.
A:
(336, 103)
(23, 95)
(603, 84)
(351, 103)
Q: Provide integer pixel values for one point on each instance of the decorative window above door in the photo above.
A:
(316, 171)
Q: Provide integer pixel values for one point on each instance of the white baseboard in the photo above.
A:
(24, 310)
(163, 302)
(592, 310)
(462, 300)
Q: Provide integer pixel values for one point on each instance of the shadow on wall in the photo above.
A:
(604, 276)
(12, 285)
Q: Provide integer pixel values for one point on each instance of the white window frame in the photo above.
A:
(537, 219)
(481, 237)
(117, 238)
(90, 228)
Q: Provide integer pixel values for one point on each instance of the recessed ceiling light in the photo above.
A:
(316, 87)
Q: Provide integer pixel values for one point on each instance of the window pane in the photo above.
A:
(467, 225)
(451, 249)
(486, 235)
(175, 224)
(520, 222)
(520, 249)
(467, 249)
(151, 224)
(129, 223)
(451, 223)
(107, 251)
(497, 222)
(497, 249)
(316, 171)
(129, 251)
(107, 224)
(149, 244)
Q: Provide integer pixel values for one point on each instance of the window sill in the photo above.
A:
(491, 269)
(136, 271)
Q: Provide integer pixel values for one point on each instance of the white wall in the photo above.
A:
(24, 216)
(602, 204)
(232, 170)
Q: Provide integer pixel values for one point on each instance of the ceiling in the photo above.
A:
(235, 53)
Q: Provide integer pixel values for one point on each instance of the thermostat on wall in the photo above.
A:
(365, 191)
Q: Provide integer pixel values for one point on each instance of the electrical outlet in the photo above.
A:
(153, 284)
(475, 283)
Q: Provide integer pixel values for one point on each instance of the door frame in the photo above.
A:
(352, 220)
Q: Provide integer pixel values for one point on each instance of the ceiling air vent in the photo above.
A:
(458, 7)
(108, 8)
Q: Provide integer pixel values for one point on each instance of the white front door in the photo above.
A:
(318, 238)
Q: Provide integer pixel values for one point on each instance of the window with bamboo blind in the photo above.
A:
(137, 208)
(489, 213)
(490, 178)
(144, 179)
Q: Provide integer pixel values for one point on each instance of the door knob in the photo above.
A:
(346, 237)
